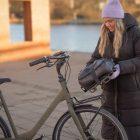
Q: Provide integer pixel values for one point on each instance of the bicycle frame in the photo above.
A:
(64, 94)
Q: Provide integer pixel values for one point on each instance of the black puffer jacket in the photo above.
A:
(127, 84)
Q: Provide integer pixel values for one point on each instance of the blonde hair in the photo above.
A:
(118, 35)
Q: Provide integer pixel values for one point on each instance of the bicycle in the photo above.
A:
(78, 123)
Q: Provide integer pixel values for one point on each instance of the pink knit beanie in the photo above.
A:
(113, 9)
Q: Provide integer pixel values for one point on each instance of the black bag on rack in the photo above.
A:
(95, 73)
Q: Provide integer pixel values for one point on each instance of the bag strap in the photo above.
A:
(96, 78)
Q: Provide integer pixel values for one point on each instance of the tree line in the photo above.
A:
(63, 9)
(69, 9)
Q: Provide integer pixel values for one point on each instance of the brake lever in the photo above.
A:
(47, 65)
(42, 67)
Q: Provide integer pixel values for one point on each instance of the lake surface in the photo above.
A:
(80, 38)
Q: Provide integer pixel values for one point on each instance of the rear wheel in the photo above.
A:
(4, 129)
(66, 129)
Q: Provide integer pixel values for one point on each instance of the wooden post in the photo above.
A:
(40, 20)
(4, 22)
(27, 21)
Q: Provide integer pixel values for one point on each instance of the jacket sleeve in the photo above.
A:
(95, 55)
(132, 65)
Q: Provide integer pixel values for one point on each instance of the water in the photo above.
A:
(17, 32)
(81, 38)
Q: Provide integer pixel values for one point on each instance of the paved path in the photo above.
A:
(32, 91)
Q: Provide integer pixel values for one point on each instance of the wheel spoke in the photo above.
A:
(67, 130)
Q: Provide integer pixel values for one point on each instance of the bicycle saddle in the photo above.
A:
(4, 80)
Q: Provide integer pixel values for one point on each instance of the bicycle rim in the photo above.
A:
(66, 129)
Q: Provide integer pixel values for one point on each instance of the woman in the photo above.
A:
(120, 40)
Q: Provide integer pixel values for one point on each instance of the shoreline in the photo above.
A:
(61, 22)
(64, 22)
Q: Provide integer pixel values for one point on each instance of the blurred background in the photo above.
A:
(70, 25)
(74, 23)
(67, 11)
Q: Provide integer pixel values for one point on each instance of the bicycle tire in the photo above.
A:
(4, 129)
(60, 125)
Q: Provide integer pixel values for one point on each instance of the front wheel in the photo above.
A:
(4, 130)
(66, 129)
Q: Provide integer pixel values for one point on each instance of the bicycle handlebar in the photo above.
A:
(4, 80)
(38, 61)
(58, 55)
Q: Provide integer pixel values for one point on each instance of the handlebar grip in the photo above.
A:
(5, 80)
(38, 61)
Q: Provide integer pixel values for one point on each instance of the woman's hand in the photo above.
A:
(116, 72)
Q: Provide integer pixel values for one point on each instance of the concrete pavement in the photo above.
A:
(31, 92)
